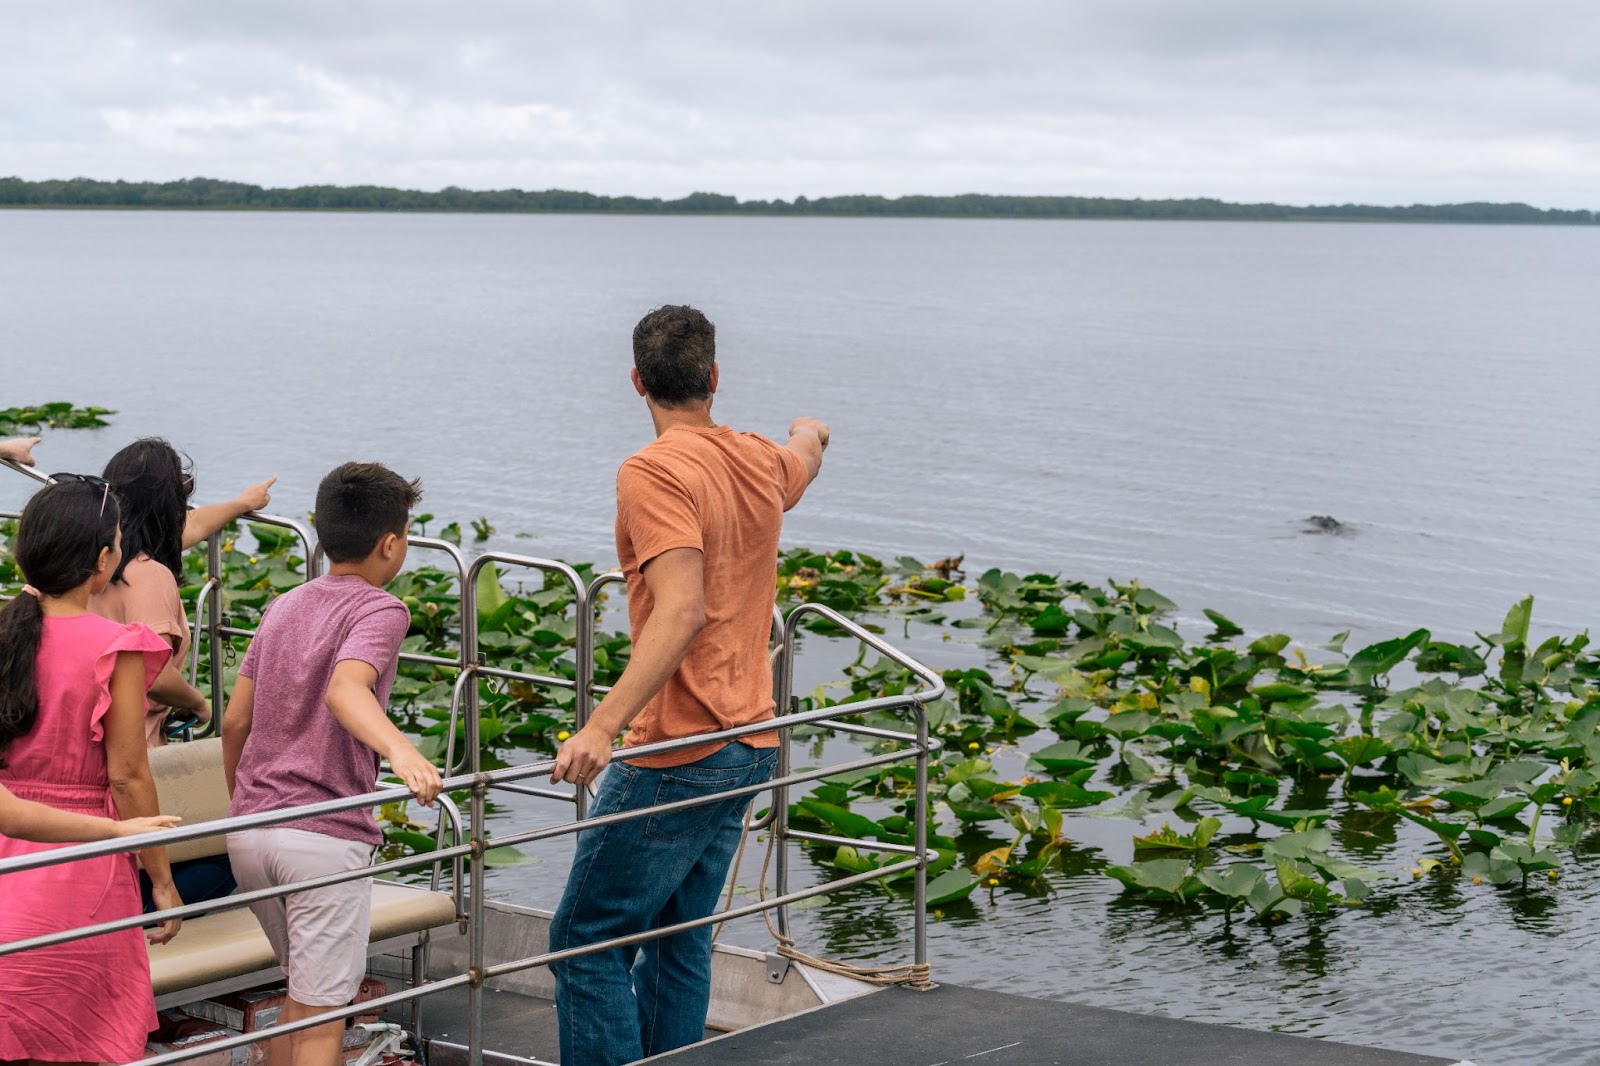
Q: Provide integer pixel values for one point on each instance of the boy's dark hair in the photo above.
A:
(154, 483)
(357, 503)
(674, 348)
(63, 529)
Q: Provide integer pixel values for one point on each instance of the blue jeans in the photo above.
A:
(626, 1003)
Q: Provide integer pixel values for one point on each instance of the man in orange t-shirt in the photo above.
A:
(699, 511)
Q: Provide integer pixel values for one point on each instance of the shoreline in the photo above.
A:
(212, 194)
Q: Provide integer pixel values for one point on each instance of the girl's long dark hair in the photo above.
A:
(153, 482)
(63, 530)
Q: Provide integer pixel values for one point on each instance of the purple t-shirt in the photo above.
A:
(297, 752)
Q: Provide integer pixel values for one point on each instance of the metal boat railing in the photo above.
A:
(466, 841)
(477, 842)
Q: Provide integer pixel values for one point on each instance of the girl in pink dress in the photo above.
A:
(72, 694)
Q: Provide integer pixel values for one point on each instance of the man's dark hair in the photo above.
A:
(674, 348)
(358, 503)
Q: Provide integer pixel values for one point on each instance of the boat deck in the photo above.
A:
(949, 1026)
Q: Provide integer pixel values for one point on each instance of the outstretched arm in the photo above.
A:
(171, 689)
(676, 580)
(351, 700)
(204, 522)
(22, 819)
(808, 438)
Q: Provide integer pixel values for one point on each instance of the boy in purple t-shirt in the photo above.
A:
(307, 723)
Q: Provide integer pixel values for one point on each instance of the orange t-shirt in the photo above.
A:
(723, 493)
(148, 594)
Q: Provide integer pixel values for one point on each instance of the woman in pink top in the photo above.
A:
(153, 483)
(72, 737)
(149, 480)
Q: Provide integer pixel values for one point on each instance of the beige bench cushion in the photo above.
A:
(190, 784)
(229, 944)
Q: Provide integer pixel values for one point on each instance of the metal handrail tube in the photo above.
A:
(211, 596)
(549, 566)
(405, 656)
(448, 811)
(378, 797)
(420, 659)
(475, 937)
(919, 840)
(465, 702)
(217, 826)
(501, 969)
(852, 842)
(377, 1004)
(936, 689)
(507, 674)
(763, 822)
(917, 700)
(314, 569)
(876, 732)
(193, 668)
(448, 815)
(313, 563)
(28, 471)
(586, 634)
(233, 902)
(562, 829)
(663, 747)
(457, 695)
(758, 824)
(537, 793)
(785, 707)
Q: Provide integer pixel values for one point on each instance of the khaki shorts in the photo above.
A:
(320, 936)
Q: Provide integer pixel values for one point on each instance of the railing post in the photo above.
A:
(470, 658)
(919, 838)
(475, 907)
(583, 674)
(214, 631)
(586, 607)
(782, 699)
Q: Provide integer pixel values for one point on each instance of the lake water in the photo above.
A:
(1167, 401)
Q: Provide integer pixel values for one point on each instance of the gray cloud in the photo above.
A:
(1243, 99)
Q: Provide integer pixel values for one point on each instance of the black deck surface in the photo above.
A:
(953, 1026)
(513, 1024)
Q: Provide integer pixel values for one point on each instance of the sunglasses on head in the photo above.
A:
(87, 479)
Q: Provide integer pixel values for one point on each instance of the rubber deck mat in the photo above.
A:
(954, 1026)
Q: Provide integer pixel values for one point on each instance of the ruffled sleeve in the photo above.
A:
(136, 638)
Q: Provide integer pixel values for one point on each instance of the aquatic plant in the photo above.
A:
(1090, 702)
(15, 421)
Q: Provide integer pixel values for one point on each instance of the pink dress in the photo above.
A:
(87, 1000)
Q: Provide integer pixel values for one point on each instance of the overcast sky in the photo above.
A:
(1296, 101)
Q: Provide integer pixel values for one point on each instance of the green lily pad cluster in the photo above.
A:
(1102, 706)
(1075, 700)
(15, 421)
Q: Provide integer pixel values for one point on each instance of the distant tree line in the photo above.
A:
(211, 193)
